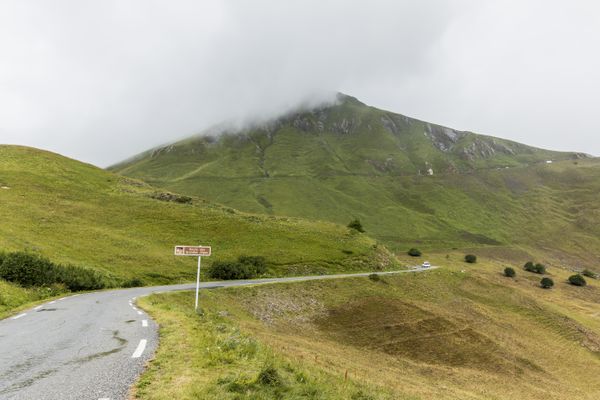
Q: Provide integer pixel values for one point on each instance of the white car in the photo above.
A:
(426, 264)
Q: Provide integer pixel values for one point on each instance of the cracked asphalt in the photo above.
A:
(89, 346)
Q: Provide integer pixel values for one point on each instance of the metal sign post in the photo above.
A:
(194, 251)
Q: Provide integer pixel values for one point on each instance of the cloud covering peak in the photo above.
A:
(102, 80)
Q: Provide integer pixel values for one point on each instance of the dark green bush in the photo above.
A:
(510, 272)
(546, 283)
(356, 225)
(269, 376)
(228, 270)
(30, 270)
(540, 268)
(535, 268)
(375, 277)
(256, 264)
(529, 266)
(247, 267)
(78, 278)
(589, 274)
(577, 280)
(471, 259)
(135, 282)
(414, 252)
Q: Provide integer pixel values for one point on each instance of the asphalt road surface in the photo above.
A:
(89, 346)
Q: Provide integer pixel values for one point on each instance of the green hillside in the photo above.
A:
(76, 213)
(410, 182)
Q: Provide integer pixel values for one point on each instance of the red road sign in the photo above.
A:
(196, 251)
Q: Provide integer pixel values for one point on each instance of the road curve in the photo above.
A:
(90, 346)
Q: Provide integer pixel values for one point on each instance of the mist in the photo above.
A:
(103, 80)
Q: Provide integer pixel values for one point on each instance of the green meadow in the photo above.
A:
(75, 213)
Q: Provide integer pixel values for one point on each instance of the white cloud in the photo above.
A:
(102, 80)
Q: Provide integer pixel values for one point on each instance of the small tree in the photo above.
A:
(535, 268)
(589, 274)
(374, 277)
(227, 270)
(546, 283)
(509, 272)
(577, 280)
(256, 264)
(540, 268)
(356, 225)
(471, 259)
(414, 252)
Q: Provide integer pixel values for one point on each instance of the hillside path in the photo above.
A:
(91, 346)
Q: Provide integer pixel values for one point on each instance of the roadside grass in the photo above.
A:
(207, 356)
(14, 298)
(461, 332)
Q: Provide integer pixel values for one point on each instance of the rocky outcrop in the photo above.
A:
(443, 138)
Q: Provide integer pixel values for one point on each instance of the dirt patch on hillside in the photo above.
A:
(289, 308)
(404, 330)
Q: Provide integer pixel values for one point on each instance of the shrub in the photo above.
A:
(535, 268)
(135, 282)
(78, 278)
(471, 259)
(586, 272)
(375, 277)
(509, 272)
(414, 252)
(269, 376)
(577, 280)
(28, 269)
(228, 270)
(256, 264)
(31, 270)
(546, 283)
(529, 266)
(356, 225)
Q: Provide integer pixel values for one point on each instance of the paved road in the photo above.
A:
(89, 346)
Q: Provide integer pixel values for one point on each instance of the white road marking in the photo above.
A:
(52, 302)
(140, 313)
(140, 349)
(62, 298)
(19, 316)
(145, 323)
(135, 309)
(104, 398)
(38, 307)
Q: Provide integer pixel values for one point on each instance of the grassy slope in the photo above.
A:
(462, 332)
(77, 213)
(14, 296)
(357, 163)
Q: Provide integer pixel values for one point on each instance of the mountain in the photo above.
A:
(410, 182)
(76, 213)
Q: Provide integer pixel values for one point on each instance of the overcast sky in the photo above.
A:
(102, 80)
